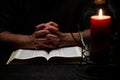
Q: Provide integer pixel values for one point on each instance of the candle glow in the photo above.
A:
(100, 13)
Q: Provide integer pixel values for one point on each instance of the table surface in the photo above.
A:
(57, 72)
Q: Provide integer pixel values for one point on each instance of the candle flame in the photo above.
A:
(100, 13)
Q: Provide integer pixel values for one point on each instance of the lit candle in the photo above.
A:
(100, 25)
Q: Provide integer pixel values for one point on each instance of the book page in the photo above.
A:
(27, 54)
(74, 51)
(13, 55)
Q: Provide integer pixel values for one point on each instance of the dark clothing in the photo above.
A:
(21, 16)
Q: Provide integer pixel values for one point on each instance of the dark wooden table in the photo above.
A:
(58, 72)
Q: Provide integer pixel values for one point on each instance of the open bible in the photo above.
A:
(60, 55)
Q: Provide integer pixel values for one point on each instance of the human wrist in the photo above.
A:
(68, 40)
(25, 41)
(76, 37)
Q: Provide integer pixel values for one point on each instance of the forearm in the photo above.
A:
(14, 40)
(71, 39)
(81, 36)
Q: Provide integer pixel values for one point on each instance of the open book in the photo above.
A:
(65, 54)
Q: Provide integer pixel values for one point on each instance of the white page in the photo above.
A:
(26, 54)
(66, 52)
(72, 51)
(55, 52)
(40, 53)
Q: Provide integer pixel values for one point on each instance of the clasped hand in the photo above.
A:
(47, 35)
